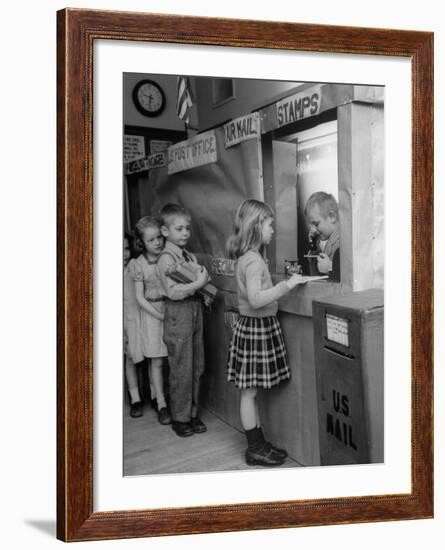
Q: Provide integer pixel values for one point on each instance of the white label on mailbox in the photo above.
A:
(337, 329)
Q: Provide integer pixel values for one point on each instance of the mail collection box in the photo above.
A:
(348, 353)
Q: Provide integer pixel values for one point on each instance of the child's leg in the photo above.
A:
(156, 377)
(257, 415)
(281, 453)
(132, 380)
(150, 381)
(178, 337)
(258, 452)
(198, 359)
(131, 375)
(248, 408)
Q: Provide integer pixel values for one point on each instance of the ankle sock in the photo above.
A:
(260, 434)
(254, 441)
(134, 395)
(160, 401)
(152, 392)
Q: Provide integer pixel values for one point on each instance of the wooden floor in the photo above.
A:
(150, 448)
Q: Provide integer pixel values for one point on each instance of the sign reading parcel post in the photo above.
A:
(145, 163)
(192, 153)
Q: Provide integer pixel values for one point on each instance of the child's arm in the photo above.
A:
(144, 304)
(258, 297)
(202, 277)
(178, 291)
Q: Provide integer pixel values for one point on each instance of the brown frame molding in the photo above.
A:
(77, 30)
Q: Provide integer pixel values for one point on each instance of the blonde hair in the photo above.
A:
(171, 211)
(248, 228)
(139, 228)
(325, 201)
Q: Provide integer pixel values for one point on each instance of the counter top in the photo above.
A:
(299, 300)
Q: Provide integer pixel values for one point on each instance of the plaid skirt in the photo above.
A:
(257, 355)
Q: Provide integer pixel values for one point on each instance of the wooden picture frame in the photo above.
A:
(77, 31)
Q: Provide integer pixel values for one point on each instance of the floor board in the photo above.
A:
(150, 448)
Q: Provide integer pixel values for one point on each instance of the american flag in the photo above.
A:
(184, 99)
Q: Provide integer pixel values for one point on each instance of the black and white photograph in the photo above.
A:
(253, 274)
(229, 218)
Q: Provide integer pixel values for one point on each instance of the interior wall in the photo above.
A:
(168, 119)
(378, 189)
(248, 97)
(285, 176)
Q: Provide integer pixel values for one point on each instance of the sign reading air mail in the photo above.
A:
(241, 129)
(146, 163)
(298, 106)
(192, 153)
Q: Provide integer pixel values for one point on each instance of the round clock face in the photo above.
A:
(149, 98)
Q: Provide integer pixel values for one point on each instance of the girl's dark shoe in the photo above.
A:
(198, 425)
(136, 409)
(164, 416)
(281, 453)
(263, 457)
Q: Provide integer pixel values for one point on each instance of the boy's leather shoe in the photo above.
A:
(136, 409)
(263, 457)
(164, 416)
(183, 429)
(198, 425)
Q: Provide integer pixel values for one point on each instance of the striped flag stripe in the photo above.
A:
(184, 99)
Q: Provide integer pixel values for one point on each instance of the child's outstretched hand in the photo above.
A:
(324, 264)
(295, 280)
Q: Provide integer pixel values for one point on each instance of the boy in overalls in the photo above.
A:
(183, 324)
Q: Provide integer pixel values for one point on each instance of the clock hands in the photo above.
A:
(148, 99)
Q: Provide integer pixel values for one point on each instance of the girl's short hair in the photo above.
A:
(248, 226)
(325, 201)
(139, 228)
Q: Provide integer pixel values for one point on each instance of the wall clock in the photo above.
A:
(149, 98)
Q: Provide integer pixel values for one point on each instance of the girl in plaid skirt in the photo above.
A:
(257, 355)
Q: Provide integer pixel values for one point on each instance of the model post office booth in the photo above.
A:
(322, 138)
(319, 138)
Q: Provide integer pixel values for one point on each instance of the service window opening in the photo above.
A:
(305, 162)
